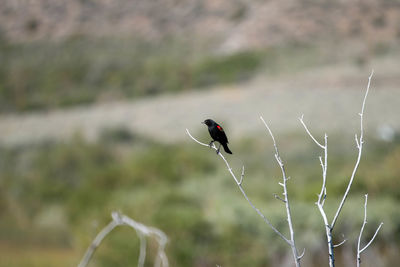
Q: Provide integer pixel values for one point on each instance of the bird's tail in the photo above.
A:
(226, 148)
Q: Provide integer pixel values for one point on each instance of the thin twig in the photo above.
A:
(279, 198)
(359, 251)
(322, 195)
(341, 243)
(324, 164)
(372, 239)
(302, 254)
(285, 193)
(309, 133)
(360, 142)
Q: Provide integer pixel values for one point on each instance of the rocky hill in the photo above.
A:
(231, 24)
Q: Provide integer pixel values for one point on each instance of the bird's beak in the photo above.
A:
(203, 122)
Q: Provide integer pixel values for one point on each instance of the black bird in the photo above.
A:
(217, 134)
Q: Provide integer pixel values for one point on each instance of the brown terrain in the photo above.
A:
(232, 25)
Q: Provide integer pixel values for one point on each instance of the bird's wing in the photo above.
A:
(224, 138)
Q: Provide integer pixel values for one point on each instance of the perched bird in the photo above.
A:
(217, 134)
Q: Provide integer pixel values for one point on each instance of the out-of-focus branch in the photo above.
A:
(142, 253)
(286, 197)
(341, 243)
(360, 250)
(96, 242)
(142, 230)
(239, 184)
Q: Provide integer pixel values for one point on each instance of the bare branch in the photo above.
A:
(324, 165)
(96, 242)
(360, 146)
(285, 193)
(160, 236)
(322, 195)
(309, 133)
(341, 243)
(302, 254)
(277, 197)
(197, 141)
(243, 192)
(328, 232)
(359, 251)
(142, 253)
(143, 232)
(272, 136)
(372, 239)
(362, 229)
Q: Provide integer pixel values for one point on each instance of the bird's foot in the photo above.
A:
(219, 147)
(211, 143)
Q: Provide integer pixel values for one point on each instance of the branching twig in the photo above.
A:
(239, 184)
(341, 243)
(360, 143)
(302, 254)
(291, 242)
(143, 232)
(359, 251)
(324, 165)
(286, 196)
(322, 195)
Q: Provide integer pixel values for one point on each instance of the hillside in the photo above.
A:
(230, 25)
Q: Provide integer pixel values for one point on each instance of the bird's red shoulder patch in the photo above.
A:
(220, 128)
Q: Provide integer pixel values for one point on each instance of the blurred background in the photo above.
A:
(95, 97)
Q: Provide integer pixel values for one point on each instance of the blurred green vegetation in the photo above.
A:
(59, 195)
(45, 75)
(77, 71)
